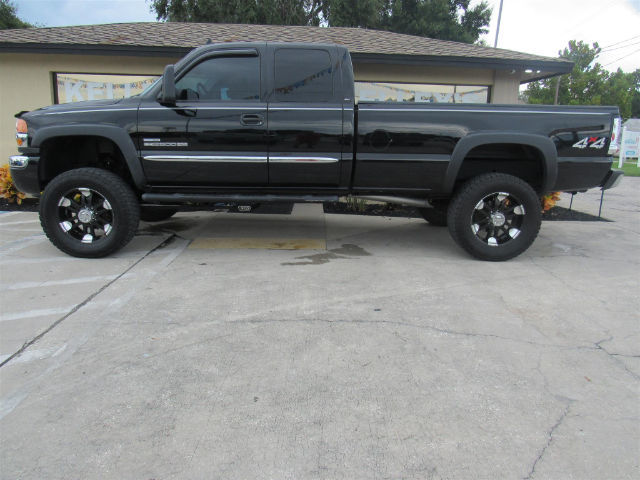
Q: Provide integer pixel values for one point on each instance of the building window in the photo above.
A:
(420, 93)
(76, 87)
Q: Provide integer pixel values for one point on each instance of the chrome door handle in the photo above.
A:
(251, 119)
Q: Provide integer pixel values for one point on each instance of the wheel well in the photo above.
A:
(522, 161)
(60, 154)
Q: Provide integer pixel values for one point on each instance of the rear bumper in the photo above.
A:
(24, 171)
(612, 179)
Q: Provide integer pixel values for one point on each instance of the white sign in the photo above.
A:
(629, 146)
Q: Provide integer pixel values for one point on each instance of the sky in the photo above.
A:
(541, 27)
(544, 27)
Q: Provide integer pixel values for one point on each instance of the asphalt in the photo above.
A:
(328, 346)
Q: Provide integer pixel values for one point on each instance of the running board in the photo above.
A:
(413, 202)
(215, 198)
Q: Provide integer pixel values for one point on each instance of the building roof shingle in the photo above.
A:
(184, 36)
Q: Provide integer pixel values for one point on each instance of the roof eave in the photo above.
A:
(94, 49)
(552, 67)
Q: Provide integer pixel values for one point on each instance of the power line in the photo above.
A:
(618, 48)
(628, 55)
(622, 41)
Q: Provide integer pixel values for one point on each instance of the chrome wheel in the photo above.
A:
(85, 214)
(497, 218)
(89, 212)
(494, 216)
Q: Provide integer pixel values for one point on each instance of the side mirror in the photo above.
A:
(168, 86)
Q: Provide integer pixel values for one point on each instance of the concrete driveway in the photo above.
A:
(377, 349)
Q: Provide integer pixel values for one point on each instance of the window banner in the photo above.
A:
(420, 93)
(77, 87)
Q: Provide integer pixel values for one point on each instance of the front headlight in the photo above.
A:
(21, 133)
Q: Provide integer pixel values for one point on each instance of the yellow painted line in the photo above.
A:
(261, 243)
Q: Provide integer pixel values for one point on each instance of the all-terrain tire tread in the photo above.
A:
(111, 183)
(465, 193)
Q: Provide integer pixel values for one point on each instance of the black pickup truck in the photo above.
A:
(259, 122)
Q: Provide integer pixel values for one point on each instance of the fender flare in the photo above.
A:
(539, 142)
(116, 134)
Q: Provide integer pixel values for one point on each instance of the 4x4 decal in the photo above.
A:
(591, 142)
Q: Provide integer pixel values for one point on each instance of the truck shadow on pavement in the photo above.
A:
(347, 238)
(346, 251)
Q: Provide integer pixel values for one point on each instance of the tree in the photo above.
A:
(269, 12)
(356, 13)
(444, 19)
(589, 83)
(635, 101)
(9, 18)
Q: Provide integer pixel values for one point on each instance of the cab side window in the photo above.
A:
(303, 75)
(221, 79)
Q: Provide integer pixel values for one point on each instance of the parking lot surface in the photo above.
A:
(325, 346)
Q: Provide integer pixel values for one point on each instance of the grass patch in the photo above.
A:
(630, 169)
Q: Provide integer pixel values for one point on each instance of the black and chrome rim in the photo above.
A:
(85, 215)
(497, 218)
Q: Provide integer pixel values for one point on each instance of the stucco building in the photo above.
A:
(41, 66)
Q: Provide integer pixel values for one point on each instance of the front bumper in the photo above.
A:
(24, 171)
(612, 179)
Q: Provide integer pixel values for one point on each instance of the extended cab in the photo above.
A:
(259, 122)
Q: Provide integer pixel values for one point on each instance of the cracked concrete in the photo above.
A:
(532, 472)
(397, 357)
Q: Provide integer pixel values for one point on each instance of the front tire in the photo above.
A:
(495, 216)
(89, 212)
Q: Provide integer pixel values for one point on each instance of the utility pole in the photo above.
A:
(555, 99)
(495, 44)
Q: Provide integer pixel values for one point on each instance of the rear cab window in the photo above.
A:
(302, 75)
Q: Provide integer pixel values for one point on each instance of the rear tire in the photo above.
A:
(89, 212)
(495, 216)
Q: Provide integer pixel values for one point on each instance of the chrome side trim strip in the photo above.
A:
(240, 159)
(365, 109)
(303, 160)
(204, 158)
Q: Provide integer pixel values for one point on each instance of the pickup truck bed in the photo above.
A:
(246, 122)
